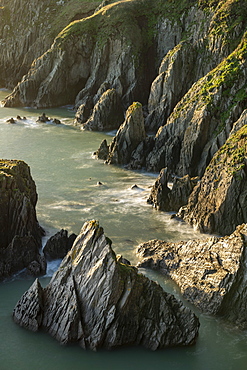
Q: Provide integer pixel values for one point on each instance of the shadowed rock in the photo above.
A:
(171, 199)
(20, 233)
(58, 245)
(97, 301)
(107, 113)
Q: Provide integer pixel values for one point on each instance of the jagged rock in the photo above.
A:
(130, 134)
(103, 151)
(97, 301)
(160, 192)
(211, 273)
(58, 245)
(30, 316)
(20, 233)
(22, 252)
(168, 199)
(218, 202)
(11, 120)
(43, 118)
(107, 113)
(199, 124)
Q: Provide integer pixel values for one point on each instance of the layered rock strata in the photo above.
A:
(97, 301)
(211, 273)
(20, 233)
(106, 114)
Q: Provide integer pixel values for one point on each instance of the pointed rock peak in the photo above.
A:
(98, 301)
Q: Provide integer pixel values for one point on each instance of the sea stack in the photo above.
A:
(97, 301)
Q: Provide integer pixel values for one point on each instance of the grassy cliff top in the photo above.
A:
(121, 17)
(225, 76)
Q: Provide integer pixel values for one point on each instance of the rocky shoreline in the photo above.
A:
(176, 91)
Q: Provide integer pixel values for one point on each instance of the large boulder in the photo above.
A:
(218, 202)
(97, 301)
(20, 232)
(211, 273)
(129, 135)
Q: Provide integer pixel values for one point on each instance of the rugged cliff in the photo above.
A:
(97, 301)
(27, 30)
(20, 233)
(218, 202)
(184, 61)
(211, 273)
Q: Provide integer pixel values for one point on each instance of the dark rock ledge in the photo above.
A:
(20, 232)
(98, 302)
(211, 273)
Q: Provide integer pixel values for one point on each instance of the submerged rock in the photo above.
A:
(20, 233)
(97, 301)
(211, 273)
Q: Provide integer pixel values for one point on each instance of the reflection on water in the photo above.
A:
(67, 177)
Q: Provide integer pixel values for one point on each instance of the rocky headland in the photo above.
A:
(20, 232)
(97, 301)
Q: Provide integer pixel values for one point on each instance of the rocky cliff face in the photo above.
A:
(97, 301)
(218, 202)
(190, 76)
(211, 273)
(20, 233)
(27, 30)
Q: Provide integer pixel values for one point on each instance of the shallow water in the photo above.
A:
(66, 176)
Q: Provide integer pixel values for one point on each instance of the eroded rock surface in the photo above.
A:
(211, 273)
(97, 301)
(20, 233)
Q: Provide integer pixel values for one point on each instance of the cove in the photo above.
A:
(66, 176)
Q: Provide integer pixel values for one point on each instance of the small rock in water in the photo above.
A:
(11, 120)
(56, 121)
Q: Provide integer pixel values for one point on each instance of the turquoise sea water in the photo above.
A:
(66, 175)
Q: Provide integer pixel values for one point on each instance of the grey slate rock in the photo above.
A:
(97, 301)
(211, 273)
